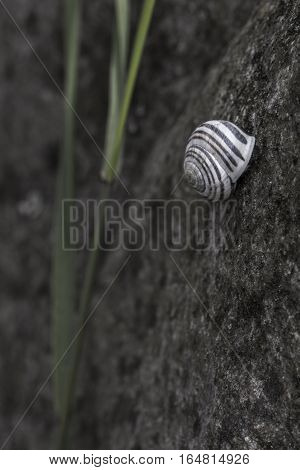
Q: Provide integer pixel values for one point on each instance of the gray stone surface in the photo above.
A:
(163, 367)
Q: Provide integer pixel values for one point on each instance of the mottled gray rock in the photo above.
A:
(161, 368)
(220, 370)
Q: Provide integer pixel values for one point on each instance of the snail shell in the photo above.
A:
(217, 154)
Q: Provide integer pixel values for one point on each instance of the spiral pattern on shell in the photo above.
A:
(217, 154)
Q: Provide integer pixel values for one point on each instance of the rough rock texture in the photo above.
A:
(192, 350)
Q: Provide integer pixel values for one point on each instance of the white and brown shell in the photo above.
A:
(217, 154)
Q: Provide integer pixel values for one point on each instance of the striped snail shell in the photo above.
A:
(217, 154)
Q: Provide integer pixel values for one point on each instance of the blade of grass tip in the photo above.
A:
(139, 43)
(116, 87)
(63, 280)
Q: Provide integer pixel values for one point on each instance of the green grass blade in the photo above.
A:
(117, 71)
(84, 303)
(63, 282)
(139, 43)
(116, 87)
(119, 103)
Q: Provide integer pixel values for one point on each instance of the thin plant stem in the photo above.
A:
(138, 48)
(118, 66)
(63, 280)
(114, 140)
(117, 82)
(83, 313)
